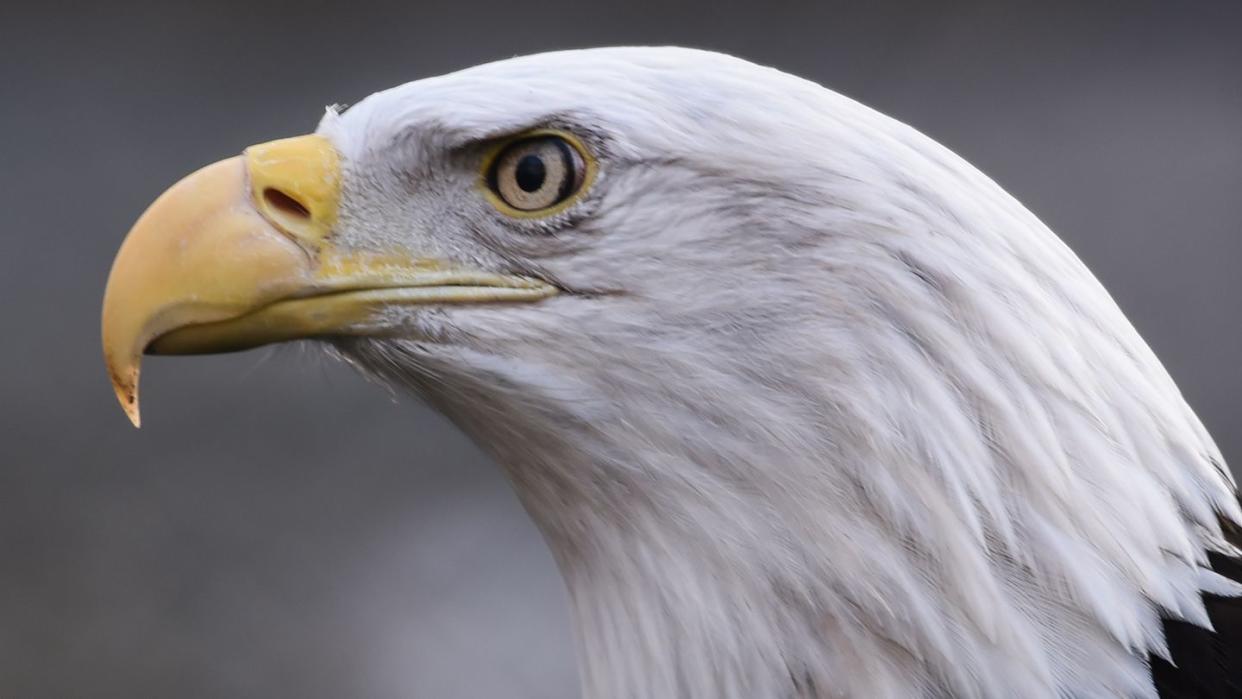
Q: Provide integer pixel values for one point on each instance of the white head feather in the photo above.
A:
(825, 411)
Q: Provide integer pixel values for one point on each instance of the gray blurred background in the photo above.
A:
(280, 527)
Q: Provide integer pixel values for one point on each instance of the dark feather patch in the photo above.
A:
(1206, 664)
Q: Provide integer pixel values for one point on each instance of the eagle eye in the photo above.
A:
(537, 174)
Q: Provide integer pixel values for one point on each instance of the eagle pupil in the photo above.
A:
(530, 173)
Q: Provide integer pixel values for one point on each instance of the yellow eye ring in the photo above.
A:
(537, 174)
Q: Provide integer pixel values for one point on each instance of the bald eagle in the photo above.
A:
(803, 403)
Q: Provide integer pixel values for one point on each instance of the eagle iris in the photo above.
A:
(535, 173)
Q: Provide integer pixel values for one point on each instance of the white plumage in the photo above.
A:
(820, 411)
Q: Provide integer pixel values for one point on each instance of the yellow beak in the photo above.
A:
(240, 254)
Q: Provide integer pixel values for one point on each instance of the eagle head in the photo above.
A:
(804, 404)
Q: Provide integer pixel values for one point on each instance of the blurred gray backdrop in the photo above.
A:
(281, 528)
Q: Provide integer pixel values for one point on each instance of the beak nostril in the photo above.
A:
(285, 204)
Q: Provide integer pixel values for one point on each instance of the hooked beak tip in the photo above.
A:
(125, 384)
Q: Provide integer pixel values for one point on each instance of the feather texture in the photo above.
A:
(823, 410)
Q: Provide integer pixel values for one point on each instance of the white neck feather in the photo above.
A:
(838, 557)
